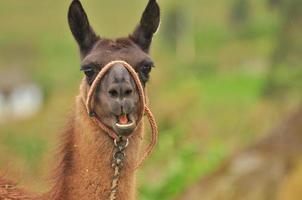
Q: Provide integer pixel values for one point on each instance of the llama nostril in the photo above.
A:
(128, 92)
(113, 93)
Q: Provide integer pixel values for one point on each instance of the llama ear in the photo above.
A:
(148, 26)
(80, 27)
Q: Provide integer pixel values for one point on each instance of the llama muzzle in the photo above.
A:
(124, 123)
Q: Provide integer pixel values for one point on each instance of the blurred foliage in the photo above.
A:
(285, 73)
(206, 90)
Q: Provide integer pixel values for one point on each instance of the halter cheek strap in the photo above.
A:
(143, 107)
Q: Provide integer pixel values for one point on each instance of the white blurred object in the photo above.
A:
(19, 98)
(25, 100)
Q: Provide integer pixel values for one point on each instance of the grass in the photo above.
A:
(29, 148)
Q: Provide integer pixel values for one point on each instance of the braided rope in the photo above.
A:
(143, 108)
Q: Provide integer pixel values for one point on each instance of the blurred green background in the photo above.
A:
(226, 73)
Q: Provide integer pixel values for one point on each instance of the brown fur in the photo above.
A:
(8, 191)
(85, 170)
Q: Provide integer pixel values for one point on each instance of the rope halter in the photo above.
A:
(144, 110)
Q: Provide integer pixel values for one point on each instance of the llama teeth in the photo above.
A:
(125, 126)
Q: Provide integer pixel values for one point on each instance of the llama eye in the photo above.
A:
(146, 69)
(89, 73)
(88, 70)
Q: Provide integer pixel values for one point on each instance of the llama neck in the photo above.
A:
(85, 171)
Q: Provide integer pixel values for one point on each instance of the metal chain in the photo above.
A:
(119, 155)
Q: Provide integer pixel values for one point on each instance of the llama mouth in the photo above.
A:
(124, 125)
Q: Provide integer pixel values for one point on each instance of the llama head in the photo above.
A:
(116, 100)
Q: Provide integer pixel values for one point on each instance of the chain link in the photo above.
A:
(119, 155)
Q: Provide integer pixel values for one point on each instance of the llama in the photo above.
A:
(85, 166)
